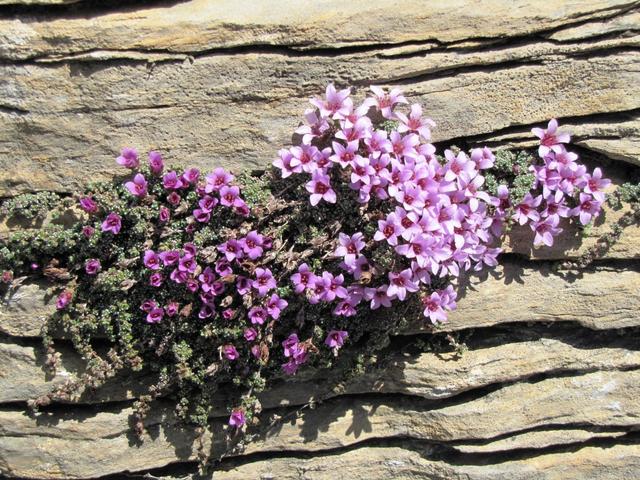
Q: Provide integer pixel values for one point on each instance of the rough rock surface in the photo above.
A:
(549, 385)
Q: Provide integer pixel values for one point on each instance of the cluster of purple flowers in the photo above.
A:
(563, 182)
(439, 221)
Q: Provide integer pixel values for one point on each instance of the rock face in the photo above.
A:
(549, 385)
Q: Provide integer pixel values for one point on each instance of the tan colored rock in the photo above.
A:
(414, 462)
(538, 439)
(427, 375)
(198, 25)
(599, 299)
(65, 122)
(602, 299)
(38, 2)
(38, 447)
(24, 310)
(629, 22)
(23, 376)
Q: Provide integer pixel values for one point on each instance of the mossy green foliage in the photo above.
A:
(183, 351)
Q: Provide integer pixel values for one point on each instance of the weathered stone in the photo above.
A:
(101, 442)
(427, 375)
(23, 376)
(198, 25)
(538, 439)
(25, 309)
(600, 299)
(628, 22)
(38, 2)
(66, 121)
(415, 462)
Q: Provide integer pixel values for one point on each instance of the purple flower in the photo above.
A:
(335, 339)
(148, 305)
(320, 188)
(237, 418)
(232, 249)
(252, 245)
(257, 315)
(151, 260)
(228, 313)
(401, 283)
(191, 176)
(170, 257)
(526, 210)
(483, 157)
(155, 163)
(155, 315)
(379, 297)
(92, 266)
(88, 204)
(303, 278)
(596, 184)
(415, 122)
(335, 103)
(230, 352)
(164, 214)
(113, 223)
(388, 230)
(550, 139)
(64, 299)
(250, 334)
(201, 215)
(229, 196)
(243, 285)
(217, 179)
(223, 267)
(433, 308)
(171, 181)
(588, 208)
(290, 345)
(264, 281)
(207, 203)
(187, 264)
(174, 199)
(350, 247)
(171, 309)
(275, 305)
(385, 102)
(156, 279)
(138, 187)
(128, 158)
(88, 231)
(546, 230)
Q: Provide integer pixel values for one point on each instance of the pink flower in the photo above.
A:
(264, 281)
(275, 305)
(63, 299)
(335, 104)
(550, 139)
(320, 189)
(138, 187)
(155, 163)
(88, 204)
(148, 305)
(350, 247)
(171, 309)
(113, 223)
(156, 279)
(88, 231)
(401, 283)
(164, 215)
(588, 209)
(174, 199)
(303, 278)
(92, 266)
(230, 352)
(596, 184)
(237, 418)
(155, 315)
(190, 176)
(217, 179)
(335, 339)
(546, 230)
(385, 102)
(257, 315)
(250, 334)
(128, 158)
(526, 210)
(151, 260)
(230, 196)
(415, 122)
(171, 181)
